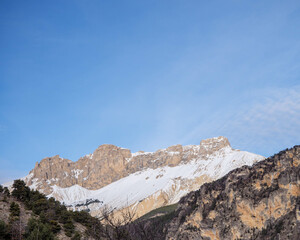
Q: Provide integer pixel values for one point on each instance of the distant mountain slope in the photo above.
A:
(116, 177)
(259, 202)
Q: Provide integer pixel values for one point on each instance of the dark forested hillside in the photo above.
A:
(28, 214)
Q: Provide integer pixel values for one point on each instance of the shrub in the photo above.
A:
(14, 209)
(69, 227)
(4, 233)
(40, 205)
(76, 236)
(55, 226)
(6, 191)
(82, 217)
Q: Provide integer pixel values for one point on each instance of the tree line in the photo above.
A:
(49, 217)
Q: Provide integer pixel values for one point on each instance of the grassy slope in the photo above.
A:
(159, 211)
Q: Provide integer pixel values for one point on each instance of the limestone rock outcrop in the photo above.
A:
(259, 202)
(109, 163)
(143, 180)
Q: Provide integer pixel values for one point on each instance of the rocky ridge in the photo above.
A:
(114, 176)
(110, 163)
(259, 202)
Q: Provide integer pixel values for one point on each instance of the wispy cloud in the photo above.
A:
(273, 119)
(267, 124)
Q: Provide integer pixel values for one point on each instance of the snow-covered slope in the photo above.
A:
(168, 183)
(116, 178)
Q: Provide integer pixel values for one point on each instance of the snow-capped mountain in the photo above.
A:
(117, 178)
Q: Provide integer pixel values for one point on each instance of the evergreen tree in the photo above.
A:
(21, 191)
(69, 227)
(76, 236)
(6, 191)
(40, 205)
(14, 209)
(4, 233)
(36, 230)
(55, 226)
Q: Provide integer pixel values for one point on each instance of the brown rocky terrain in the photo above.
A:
(109, 163)
(259, 202)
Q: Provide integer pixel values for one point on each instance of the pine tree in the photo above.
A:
(14, 209)
(21, 191)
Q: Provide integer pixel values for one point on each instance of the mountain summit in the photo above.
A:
(116, 177)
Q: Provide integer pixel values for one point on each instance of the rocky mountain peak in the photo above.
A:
(175, 148)
(163, 175)
(210, 145)
(215, 143)
(110, 163)
(110, 152)
(51, 167)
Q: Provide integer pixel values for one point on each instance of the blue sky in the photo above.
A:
(145, 75)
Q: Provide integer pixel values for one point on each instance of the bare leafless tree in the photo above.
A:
(17, 229)
(117, 223)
